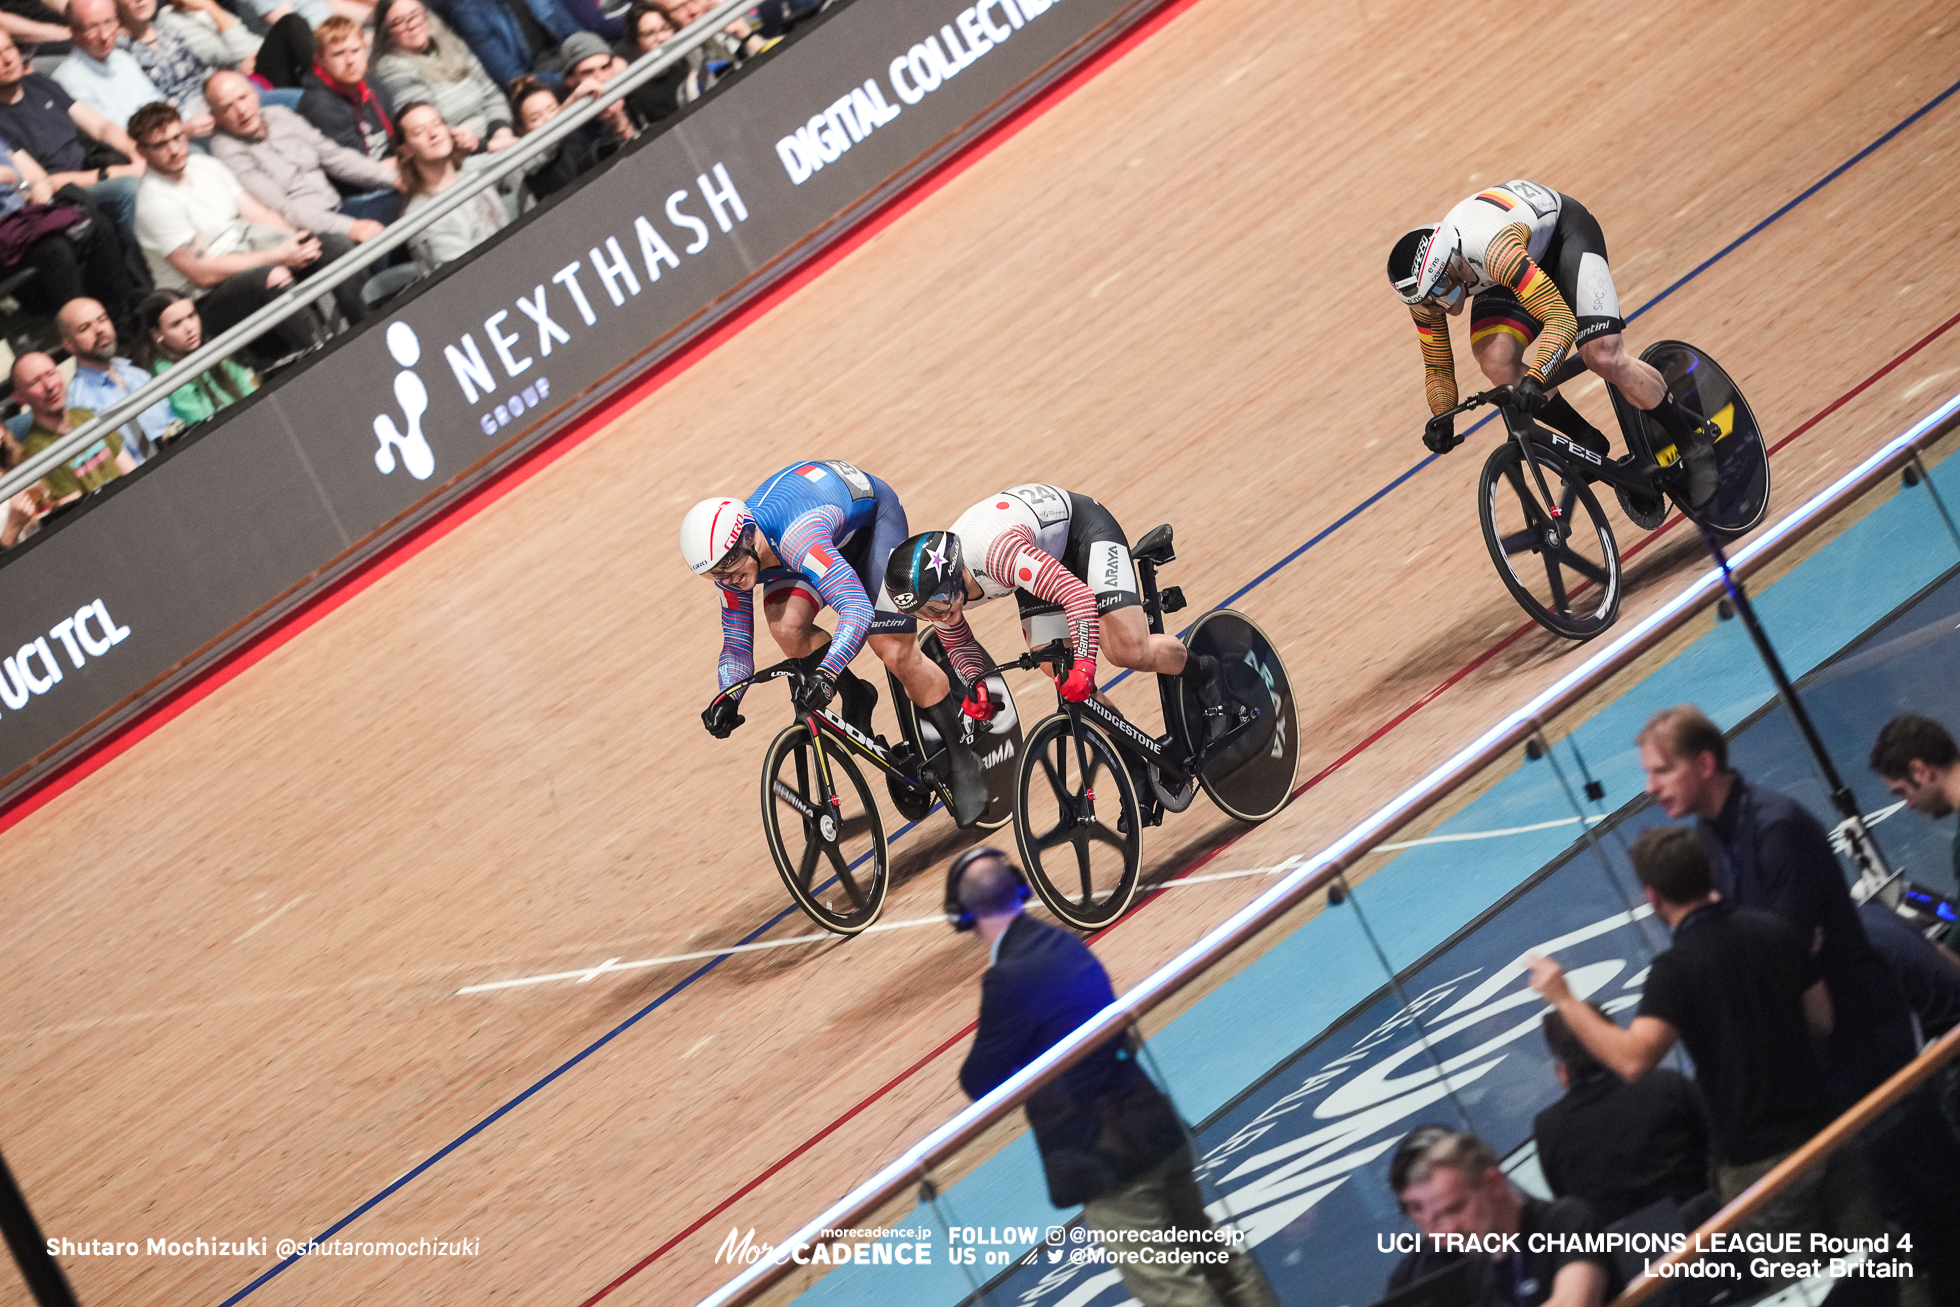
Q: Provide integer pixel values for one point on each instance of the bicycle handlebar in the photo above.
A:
(1502, 396)
(1056, 652)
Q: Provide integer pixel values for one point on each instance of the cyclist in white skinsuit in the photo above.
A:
(1532, 263)
(1068, 563)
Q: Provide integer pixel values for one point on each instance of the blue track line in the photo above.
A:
(1264, 576)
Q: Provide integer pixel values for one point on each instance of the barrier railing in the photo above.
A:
(1798, 1168)
(1477, 776)
(356, 261)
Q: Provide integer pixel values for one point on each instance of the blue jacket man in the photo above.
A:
(1108, 1137)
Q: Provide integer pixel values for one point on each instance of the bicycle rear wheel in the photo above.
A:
(1083, 852)
(831, 856)
(1562, 566)
(1255, 780)
(1704, 388)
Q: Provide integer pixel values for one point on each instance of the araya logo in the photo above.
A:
(413, 396)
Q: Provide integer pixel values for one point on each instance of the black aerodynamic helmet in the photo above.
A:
(922, 569)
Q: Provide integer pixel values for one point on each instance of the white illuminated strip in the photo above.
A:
(918, 1158)
(583, 975)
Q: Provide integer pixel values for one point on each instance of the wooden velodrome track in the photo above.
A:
(235, 946)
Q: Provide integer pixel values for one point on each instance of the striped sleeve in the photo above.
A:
(808, 546)
(963, 648)
(1014, 559)
(1508, 261)
(737, 636)
(1438, 363)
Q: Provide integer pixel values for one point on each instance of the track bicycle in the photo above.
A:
(1543, 525)
(824, 830)
(1090, 781)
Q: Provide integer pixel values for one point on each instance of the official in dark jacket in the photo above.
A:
(1108, 1138)
(1771, 854)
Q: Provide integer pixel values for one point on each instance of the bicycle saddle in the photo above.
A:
(1155, 547)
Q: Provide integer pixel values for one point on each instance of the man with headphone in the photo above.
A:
(1108, 1137)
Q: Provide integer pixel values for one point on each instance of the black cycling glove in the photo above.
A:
(816, 691)
(1531, 396)
(1439, 434)
(722, 716)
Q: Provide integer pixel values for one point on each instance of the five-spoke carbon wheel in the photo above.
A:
(832, 856)
(1077, 822)
(1562, 566)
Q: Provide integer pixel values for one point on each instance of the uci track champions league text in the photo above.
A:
(1767, 1256)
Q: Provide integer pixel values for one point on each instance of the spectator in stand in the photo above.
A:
(106, 79)
(1619, 1145)
(419, 59)
(73, 252)
(215, 35)
(39, 388)
(170, 62)
(649, 25)
(431, 163)
(1770, 853)
(172, 331)
(1450, 1184)
(34, 23)
(75, 144)
(534, 104)
(290, 167)
(1740, 990)
(340, 99)
(103, 378)
(510, 37)
(721, 54)
(589, 65)
(1918, 762)
(204, 233)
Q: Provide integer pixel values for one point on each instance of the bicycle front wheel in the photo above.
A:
(824, 832)
(1558, 560)
(1077, 822)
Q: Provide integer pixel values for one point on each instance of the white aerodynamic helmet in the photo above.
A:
(711, 530)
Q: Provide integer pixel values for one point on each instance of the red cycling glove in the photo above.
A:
(1080, 682)
(979, 705)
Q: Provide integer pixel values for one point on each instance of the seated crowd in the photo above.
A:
(1792, 1003)
(219, 151)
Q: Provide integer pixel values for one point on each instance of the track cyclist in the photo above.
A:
(1067, 562)
(1534, 262)
(816, 533)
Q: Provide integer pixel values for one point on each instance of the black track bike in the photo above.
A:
(824, 830)
(1549, 538)
(1090, 780)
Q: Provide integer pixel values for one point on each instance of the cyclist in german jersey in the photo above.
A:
(815, 533)
(1067, 562)
(1531, 263)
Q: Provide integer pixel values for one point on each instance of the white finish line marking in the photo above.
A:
(613, 966)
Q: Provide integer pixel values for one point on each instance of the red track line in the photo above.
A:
(1815, 418)
(1319, 776)
(186, 696)
(786, 1159)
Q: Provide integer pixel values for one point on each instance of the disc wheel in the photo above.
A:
(1255, 779)
(1077, 822)
(1563, 568)
(832, 857)
(1704, 388)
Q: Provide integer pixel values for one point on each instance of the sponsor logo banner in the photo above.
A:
(306, 480)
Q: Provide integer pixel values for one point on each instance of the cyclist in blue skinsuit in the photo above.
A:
(816, 533)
